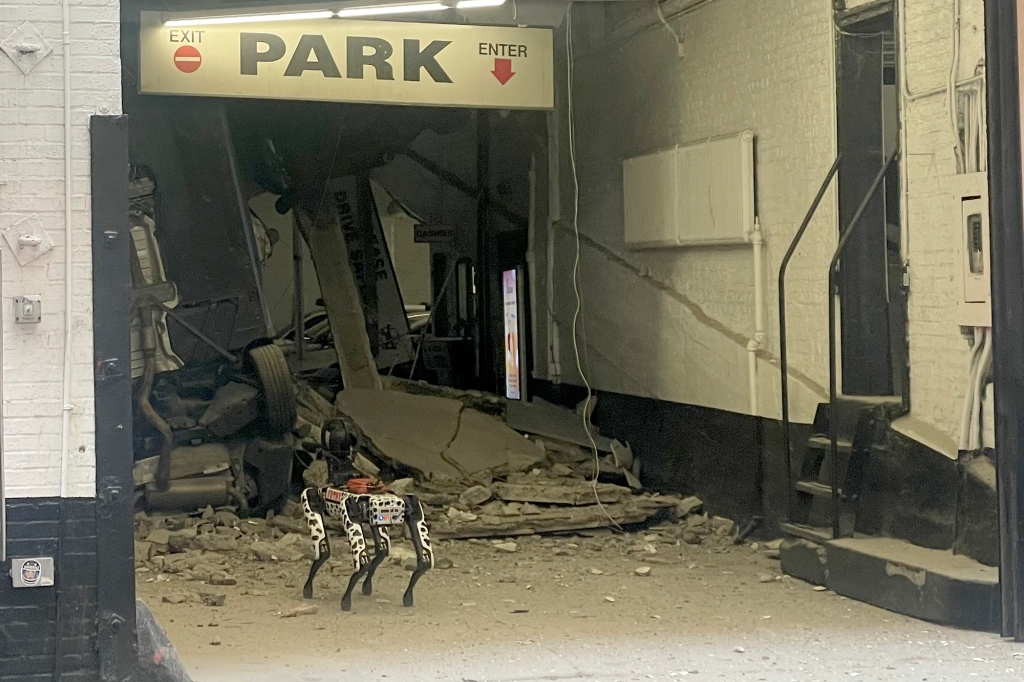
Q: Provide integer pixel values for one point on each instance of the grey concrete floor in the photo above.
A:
(703, 612)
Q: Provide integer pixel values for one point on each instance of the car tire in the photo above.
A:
(278, 388)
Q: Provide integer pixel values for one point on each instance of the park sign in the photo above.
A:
(339, 60)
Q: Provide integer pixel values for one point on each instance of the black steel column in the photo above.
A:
(485, 344)
(111, 296)
(1007, 239)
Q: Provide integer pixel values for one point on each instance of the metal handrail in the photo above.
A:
(833, 268)
(784, 357)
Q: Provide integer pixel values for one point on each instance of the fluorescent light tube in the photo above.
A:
(474, 4)
(252, 18)
(392, 9)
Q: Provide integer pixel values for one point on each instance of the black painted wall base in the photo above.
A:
(734, 462)
(28, 616)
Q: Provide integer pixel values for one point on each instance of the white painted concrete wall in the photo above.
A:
(673, 324)
(31, 173)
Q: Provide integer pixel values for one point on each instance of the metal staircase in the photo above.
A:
(822, 501)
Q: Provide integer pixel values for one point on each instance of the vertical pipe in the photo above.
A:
(298, 314)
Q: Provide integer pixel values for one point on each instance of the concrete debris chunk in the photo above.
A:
(222, 578)
(215, 542)
(159, 539)
(213, 599)
(304, 610)
(688, 505)
(561, 471)
(643, 571)
(402, 486)
(509, 547)
(722, 526)
(460, 516)
(475, 496)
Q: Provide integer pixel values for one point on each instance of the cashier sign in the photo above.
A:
(338, 60)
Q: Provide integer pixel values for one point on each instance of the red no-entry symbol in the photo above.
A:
(187, 59)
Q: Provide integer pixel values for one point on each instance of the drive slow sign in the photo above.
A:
(351, 61)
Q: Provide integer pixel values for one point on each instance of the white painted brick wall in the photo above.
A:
(677, 330)
(32, 172)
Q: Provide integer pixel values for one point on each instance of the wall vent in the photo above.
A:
(695, 194)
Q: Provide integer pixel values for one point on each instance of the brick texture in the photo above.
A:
(32, 183)
(673, 324)
(28, 616)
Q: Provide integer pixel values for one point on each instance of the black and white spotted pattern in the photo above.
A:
(377, 511)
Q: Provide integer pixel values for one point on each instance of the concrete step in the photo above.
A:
(929, 584)
(821, 442)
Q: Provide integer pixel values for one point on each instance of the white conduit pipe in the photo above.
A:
(755, 344)
(984, 365)
(65, 426)
(965, 414)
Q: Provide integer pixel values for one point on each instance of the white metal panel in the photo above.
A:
(649, 187)
(689, 195)
(716, 190)
(970, 195)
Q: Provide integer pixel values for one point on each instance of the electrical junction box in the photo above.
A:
(32, 572)
(28, 309)
(974, 276)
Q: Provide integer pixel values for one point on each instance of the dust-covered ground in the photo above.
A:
(569, 607)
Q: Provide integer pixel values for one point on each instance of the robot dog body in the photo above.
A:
(378, 511)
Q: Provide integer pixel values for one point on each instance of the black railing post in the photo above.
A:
(833, 434)
(783, 353)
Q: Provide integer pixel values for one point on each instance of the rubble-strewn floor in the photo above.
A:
(546, 612)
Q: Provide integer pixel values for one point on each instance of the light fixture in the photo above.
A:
(380, 10)
(251, 18)
(474, 4)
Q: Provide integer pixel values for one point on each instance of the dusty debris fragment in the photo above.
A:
(509, 547)
(215, 641)
(316, 474)
(174, 599)
(643, 571)
(722, 526)
(475, 496)
(596, 571)
(159, 538)
(303, 610)
(561, 471)
(215, 542)
(688, 505)
(819, 588)
(610, 600)
(443, 563)
(459, 516)
(773, 545)
(740, 650)
(213, 599)
(222, 578)
(402, 486)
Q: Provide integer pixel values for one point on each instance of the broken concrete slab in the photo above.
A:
(573, 492)
(551, 520)
(437, 437)
(340, 292)
(548, 420)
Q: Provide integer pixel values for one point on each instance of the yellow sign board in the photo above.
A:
(338, 60)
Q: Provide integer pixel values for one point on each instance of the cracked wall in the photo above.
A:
(673, 324)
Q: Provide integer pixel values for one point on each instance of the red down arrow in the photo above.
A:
(503, 70)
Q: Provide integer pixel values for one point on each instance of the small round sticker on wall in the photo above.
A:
(31, 571)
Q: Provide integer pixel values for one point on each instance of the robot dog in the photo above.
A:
(356, 502)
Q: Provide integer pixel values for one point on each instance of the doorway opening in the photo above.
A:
(872, 276)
